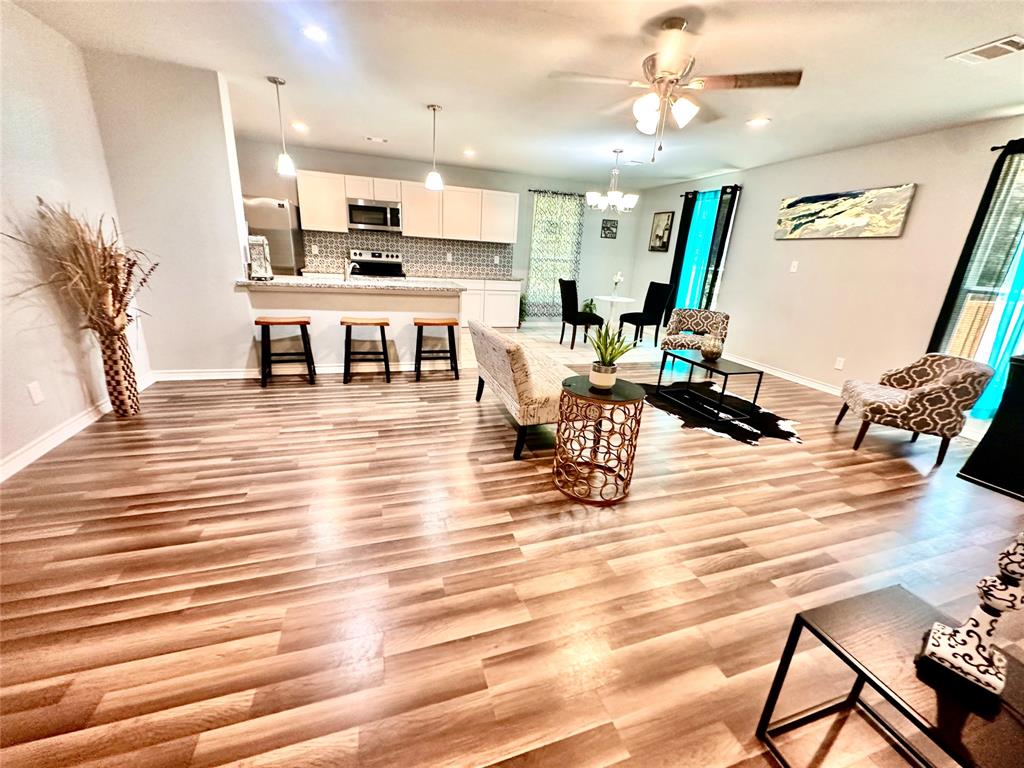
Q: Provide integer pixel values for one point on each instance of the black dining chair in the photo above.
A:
(571, 313)
(653, 313)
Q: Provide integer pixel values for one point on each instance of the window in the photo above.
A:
(983, 314)
(554, 250)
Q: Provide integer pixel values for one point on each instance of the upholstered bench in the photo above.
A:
(528, 383)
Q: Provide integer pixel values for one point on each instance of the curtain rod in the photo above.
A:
(556, 192)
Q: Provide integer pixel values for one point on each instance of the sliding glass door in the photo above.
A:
(983, 315)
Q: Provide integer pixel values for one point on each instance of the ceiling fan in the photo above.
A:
(667, 79)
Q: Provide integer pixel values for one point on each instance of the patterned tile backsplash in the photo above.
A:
(423, 257)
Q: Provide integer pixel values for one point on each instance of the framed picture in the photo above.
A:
(609, 229)
(879, 212)
(661, 231)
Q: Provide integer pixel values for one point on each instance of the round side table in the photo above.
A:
(596, 439)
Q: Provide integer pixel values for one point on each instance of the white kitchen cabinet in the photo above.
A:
(460, 213)
(501, 303)
(499, 216)
(421, 210)
(387, 190)
(322, 201)
(359, 187)
(472, 307)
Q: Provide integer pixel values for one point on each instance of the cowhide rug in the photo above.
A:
(761, 424)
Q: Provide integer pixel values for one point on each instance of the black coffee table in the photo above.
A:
(709, 407)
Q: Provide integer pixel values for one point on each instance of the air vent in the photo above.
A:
(989, 51)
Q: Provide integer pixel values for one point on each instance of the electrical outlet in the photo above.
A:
(315, 250)
(794, 266)
(448, 257)
(840, 362)
(497, 260)
(35, 391)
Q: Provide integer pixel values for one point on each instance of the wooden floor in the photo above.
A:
(360, 575)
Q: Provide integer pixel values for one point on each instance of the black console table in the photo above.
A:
(996, 462)
(877, 635)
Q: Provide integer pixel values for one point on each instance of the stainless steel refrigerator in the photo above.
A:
(278, 221)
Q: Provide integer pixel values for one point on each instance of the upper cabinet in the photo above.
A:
(457, 213)
(367, 188)
(499, 216)
(322, 201)
(421, 210)
(460, 213)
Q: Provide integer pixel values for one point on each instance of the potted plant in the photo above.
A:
(609, 347)
(97, 274)
(522, 309)
(589, 306)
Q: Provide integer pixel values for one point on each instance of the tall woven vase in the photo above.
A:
(120, 375)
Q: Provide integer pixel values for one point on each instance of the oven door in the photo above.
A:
(369, 214)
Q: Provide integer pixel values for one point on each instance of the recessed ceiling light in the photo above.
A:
(376, 139)
(468, 152)
(758, 122)
(315, 33)
(300, 126)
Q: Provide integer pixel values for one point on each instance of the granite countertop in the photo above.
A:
(340, 284)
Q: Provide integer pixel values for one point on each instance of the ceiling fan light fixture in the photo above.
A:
(648, 127)
(683, 111)
(647, 107)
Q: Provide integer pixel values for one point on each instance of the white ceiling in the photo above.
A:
(872, 70)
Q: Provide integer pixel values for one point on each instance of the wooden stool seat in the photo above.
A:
(365, 321)
(267, 357)
(300, 320)
(449, 354)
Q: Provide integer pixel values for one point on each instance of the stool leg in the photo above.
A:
(384, 350)
(453, 353)
(419, 350)
(307, 349)
(264, 355)
(347, 375)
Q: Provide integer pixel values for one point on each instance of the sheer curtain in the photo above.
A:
(554, 250)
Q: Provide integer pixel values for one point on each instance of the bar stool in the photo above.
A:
(451, 323)
(369, 354)
(267, 357)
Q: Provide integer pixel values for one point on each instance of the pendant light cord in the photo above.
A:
(433, 141)
(280, 119)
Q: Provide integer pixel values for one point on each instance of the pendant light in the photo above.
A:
(434, 182)
(613, 198)
(285, 166)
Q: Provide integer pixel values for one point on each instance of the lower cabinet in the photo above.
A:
(492, 302)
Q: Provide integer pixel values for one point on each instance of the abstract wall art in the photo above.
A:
(878, 212)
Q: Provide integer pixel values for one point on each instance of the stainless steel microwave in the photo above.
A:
(374, 214)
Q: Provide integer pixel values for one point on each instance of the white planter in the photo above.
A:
(602, 376)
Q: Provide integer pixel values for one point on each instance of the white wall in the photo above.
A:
(600, 258)
(872, 301)
(51, 148)
(168, 145)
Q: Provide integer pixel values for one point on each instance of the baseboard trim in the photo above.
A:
(290, 369)
(17, 460)
(796, 378)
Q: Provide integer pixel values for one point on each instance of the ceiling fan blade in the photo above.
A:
(620, 106)
(785, 79)
(583, 77)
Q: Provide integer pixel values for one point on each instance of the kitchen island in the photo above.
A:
(326, 298)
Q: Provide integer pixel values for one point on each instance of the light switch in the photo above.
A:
(840, 362)
(497, 260)
(794, 266)
(35, 391)
(315, 250)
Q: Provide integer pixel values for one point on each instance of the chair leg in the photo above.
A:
(913, 437)
(562, 337)
(586, 330)
(384, 350)
(572, 343)
(453, 352)
(860, 435)
(419, 351)
(307, 350)
(842, 412)
(264, 355)
(641, 328)
(943, 447)
(479, 388)
(346, 375)
(657, 328)
(520, 443)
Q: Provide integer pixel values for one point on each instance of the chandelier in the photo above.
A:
(613, 198)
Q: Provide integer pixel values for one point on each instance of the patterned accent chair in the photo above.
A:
(931, 395)
(699, 322)
(528, 383)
